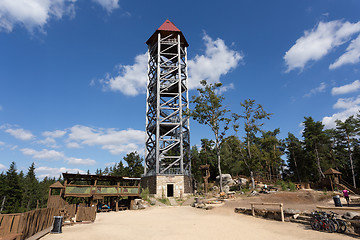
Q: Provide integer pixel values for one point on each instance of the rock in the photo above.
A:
(292, 211)
(296, 216)
(242, 181)
(226, 189)
(350, 215)
(254, 193)
(227, 180)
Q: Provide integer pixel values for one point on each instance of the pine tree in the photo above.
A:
(209, 110)
(31, 189)
(347, 131)
(12, 190)
(316, 146)
(253, 115)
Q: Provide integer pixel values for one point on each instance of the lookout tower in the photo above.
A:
(167, 161)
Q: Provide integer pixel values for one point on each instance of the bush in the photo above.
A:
(291, 186)
(145, 194)
(284, 186)
(164, 201)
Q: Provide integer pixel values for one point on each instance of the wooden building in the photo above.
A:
(93, 189)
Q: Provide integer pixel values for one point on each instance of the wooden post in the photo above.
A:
(282, 212)
(253, 210)
(117, 204)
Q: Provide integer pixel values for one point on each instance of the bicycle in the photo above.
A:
(320, 221)
(339, 224)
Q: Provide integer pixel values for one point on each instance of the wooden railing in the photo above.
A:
(24, 225)
(276, 204)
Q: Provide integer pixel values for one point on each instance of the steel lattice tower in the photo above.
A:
(167, 127)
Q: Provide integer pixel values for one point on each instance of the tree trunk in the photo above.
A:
(297, 170)
(218, 160)
(318, 163)
(351, 161)
(252, 180)
(251, 172)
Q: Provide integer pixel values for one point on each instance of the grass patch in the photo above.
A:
(164, 201)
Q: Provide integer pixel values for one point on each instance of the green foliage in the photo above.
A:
(164, 201)
(209, 110)
(23, 192)
(145, 194)
(291, 186)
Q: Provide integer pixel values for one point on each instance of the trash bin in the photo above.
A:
(57, 225)
(337, 201)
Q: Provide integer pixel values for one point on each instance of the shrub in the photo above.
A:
(145, 194)
(164, 201)
(291, 186)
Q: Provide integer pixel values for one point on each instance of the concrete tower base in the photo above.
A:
(163, 186)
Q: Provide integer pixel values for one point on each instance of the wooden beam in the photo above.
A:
(278, 204)
(340, 208)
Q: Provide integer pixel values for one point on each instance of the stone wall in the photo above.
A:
(158, 185)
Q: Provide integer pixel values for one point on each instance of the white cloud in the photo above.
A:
(109, 5)
(2, 167)
(43, 154)
(20, 133)
(318, 42)
(115, 141)
(42, 172)
(320, 88)
(50, 138)
(217, 61)
(348, 88)
(32, 14)
(48, 142)
(349, 106)
(54, 134)
(110, 164)
(80, 161)
(351, 56)
(131, 79)
(2, 143)
(73, 145)
(225, 88)
(346, 103)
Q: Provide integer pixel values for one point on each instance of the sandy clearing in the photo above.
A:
(187, 223)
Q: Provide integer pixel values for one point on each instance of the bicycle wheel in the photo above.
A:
(328, 226)
(342, 226)
(315, 224)
(336, 224)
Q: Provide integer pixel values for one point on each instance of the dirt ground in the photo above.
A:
(185, 222)
(303, 200)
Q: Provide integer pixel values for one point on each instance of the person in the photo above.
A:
(346, 196)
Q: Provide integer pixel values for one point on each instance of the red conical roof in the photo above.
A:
(168, 26)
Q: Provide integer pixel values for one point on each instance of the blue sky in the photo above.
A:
(73, 72)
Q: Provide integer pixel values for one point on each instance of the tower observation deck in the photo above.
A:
(167, 127)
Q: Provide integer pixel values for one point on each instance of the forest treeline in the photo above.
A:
(306, 160)
(257, 152)
(262, 152)
(20, 192)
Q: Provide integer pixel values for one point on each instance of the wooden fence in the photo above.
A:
(86, 214)
(25, 225)
(278, 204)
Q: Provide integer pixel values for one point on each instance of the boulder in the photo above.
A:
(350, 215)
(227, 180)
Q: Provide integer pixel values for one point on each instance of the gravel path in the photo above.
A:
(187, 223)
